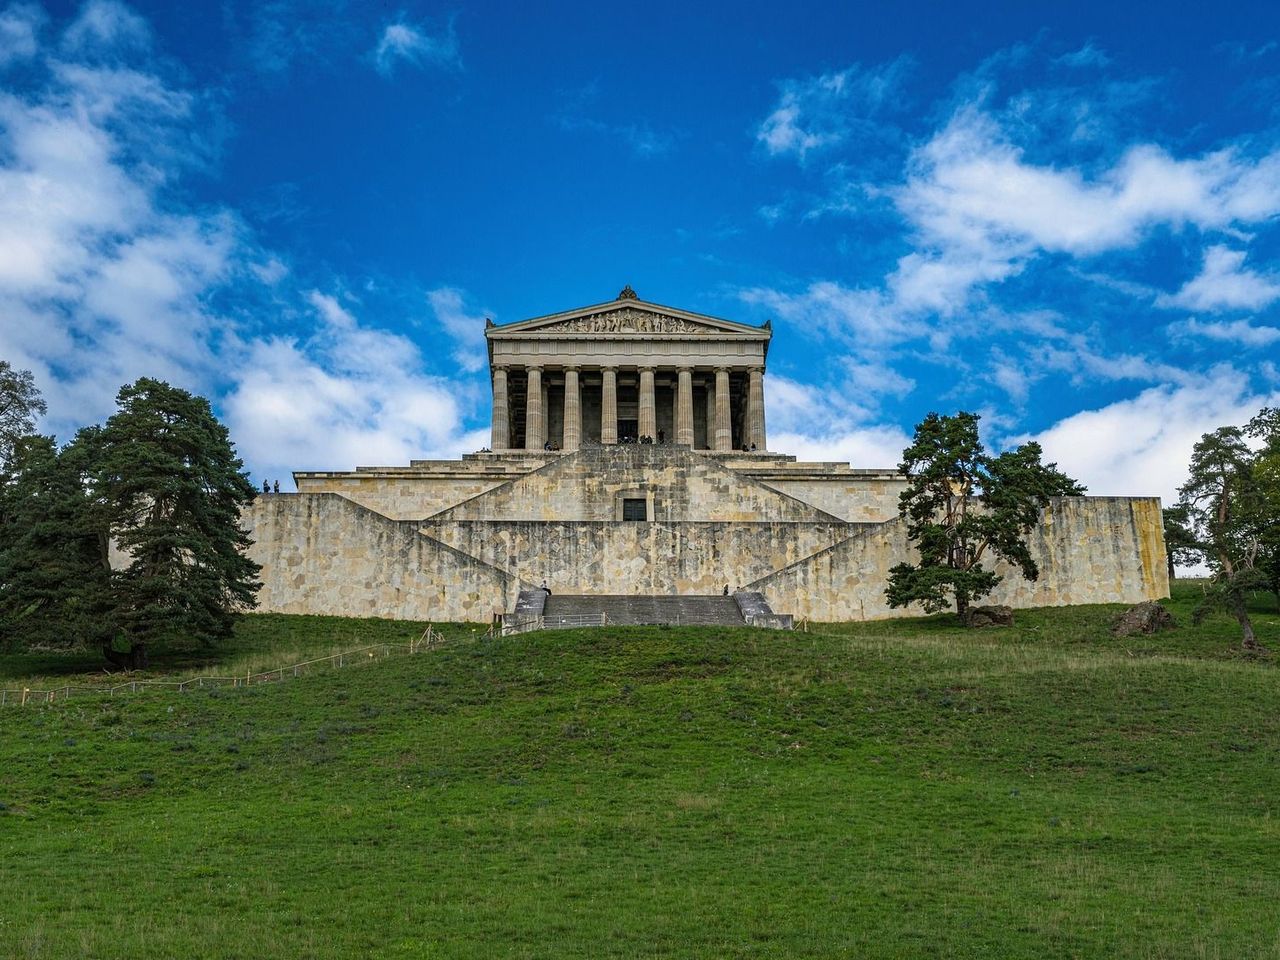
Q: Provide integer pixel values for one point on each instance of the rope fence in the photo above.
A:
(430, 640)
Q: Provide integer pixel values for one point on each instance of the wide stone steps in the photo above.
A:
(569, 610)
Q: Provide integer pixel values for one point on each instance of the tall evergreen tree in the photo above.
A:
(1225, 507)
(170, 489)
(963, 505)
(53, 560)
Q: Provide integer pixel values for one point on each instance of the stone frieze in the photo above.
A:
(628, 320)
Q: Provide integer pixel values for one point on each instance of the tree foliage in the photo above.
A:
(1228, 512)
(20, 404)
(1180, 543)
(964, 506)
(161, 480)
(53, 556)
(170, 488)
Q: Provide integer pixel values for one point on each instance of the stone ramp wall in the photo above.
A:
(684, 486)
(1089, 550)
(323, 554)
(638, 558)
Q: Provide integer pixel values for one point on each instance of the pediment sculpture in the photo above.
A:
(628, 320)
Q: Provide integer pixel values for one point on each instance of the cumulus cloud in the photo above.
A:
(347, 395)
(414, 45)
(969, 188)
(1141, 446)
(103, 280)
(1224, 283)
(109, 273)
(824, 423)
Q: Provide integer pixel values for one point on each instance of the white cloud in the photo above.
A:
(20, 25)
(970, 188)
(106, 27)
(1141, 446)
(864, 317)
(863, 447)
(980, 211)
(1240, 332)
(349, 395)
(106, 275)
(1089, 55)
(1224, 283)
(823, 110)
(414, 45)
(819, 423)
(465, 328)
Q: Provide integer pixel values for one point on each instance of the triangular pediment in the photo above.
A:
(628, 318)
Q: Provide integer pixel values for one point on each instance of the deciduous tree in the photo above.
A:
(963, 507)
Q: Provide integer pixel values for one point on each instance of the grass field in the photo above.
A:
(897, 789)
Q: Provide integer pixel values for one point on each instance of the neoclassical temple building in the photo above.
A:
(630, 472)
(600, 376)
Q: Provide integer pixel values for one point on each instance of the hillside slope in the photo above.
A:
(653, 792)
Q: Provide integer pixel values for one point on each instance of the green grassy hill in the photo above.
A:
(885, 790)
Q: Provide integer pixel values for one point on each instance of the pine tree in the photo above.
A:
(170, 489)
(1180, 544)
(1226, 507)
(961, 505)
(53, 560)
(20, 404)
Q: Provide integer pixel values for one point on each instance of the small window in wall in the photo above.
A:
(635, 509)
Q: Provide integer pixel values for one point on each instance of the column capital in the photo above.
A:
(500, 366)
(533, 366)
(648, 368)
(570, 366)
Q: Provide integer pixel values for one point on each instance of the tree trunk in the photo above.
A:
(1250, 640)
(962, 608)
(1169, 557)
(135, 658)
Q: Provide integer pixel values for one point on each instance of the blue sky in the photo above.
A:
(1066, 219)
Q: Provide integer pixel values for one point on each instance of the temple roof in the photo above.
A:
(628, 315)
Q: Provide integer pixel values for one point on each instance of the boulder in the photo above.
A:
(1146, 617)
(998, 616)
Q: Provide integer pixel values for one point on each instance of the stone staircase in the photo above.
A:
(536, 610)
(569, 610)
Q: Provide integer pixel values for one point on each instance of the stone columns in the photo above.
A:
(755, 409)
(711, 414)
(533, 432)
(572, 410)
(501, 411)
(684, 406)
(648, 408)
(724, 429)
(609, 406)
